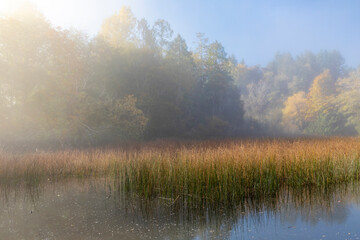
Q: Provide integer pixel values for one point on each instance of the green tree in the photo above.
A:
(328, 123)
(128, 122)
(349, 98)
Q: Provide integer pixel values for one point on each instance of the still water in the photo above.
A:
(96, 209)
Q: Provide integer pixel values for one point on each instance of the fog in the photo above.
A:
(140, 80)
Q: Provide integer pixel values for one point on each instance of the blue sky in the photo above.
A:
(252, 30)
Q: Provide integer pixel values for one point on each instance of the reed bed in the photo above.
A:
(213, 171)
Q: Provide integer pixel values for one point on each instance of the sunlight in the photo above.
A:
(84, 15)
(65, 13)
(9, 5)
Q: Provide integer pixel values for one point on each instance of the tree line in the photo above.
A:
(134, 80)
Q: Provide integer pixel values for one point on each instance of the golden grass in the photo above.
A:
(216, 171)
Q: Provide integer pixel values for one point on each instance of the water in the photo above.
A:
(96, 209)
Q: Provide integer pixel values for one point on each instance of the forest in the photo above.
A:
(140, 81)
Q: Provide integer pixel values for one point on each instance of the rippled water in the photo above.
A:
(96, 209)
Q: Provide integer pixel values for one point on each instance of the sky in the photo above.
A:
(252, 30)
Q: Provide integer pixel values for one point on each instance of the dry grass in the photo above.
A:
(216, 171)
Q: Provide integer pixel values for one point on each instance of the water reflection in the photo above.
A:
(99, 209)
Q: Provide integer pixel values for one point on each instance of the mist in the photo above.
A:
(139, 79)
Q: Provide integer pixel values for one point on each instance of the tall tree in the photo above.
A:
(119, 29)
(293, 113)
(163, 35)
(349, 98)
(147, 37)
(320, 95)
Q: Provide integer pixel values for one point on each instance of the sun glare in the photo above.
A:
(64, 13)
(9, 5)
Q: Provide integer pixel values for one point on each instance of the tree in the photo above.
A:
(200, 53)
(293, 113)
(178, 51)
(163, 34)
(147, 38)
(328, 123)
(181, 63)
(128, 122)
(257, 101)
(216, 57)
(283, 64)
(119, 29)
(244, 75)
(307, 68)
(320, 95)
(349, 98)
(333, 61)
(24, 45)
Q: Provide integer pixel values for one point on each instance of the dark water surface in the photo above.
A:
(95, 209)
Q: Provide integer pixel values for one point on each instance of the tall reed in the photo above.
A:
(210, 171)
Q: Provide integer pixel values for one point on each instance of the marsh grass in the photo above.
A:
(198, 172)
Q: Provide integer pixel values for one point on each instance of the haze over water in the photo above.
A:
(93, 209)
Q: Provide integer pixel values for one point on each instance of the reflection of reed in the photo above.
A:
(102, 204)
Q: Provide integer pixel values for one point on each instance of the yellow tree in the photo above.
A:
(293, 113)
(119, 29)
(320, 95)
